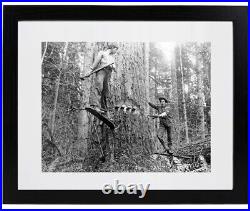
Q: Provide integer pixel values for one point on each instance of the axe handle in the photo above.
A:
(154, 116)
(95, 71)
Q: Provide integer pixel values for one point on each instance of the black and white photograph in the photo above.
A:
(126, 106)
(113, 105)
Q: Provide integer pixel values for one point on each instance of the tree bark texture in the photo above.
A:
(183, 98)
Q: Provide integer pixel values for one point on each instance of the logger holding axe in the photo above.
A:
(103, 66)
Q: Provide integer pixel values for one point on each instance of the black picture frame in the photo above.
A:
(13, 14)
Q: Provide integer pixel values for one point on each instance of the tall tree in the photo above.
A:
(61, 68)
(205, 54)
(174, 95)
(44, 52)
(146, 60)
(85, 60)
(183, 96)
(201, 96)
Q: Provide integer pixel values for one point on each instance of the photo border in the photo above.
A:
(13, 14)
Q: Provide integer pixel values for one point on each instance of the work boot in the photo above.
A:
(103, 110)
(168, 150)
(94, 106)
(100, 110)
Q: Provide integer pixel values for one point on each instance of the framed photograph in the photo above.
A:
(125, 104)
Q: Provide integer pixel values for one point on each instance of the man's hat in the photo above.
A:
(112, 45)
(163, 98)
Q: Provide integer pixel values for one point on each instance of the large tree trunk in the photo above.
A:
(85, 60)
(130, 86)
(183, 97)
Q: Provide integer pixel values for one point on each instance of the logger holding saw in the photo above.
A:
(102, 67)
(165, 127)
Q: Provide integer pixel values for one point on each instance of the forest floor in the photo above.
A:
(124, 164)
(135, 163)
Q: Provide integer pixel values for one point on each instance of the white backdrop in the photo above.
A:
(30, 36)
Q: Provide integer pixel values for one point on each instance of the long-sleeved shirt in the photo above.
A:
(166, 120)
(103, 58)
